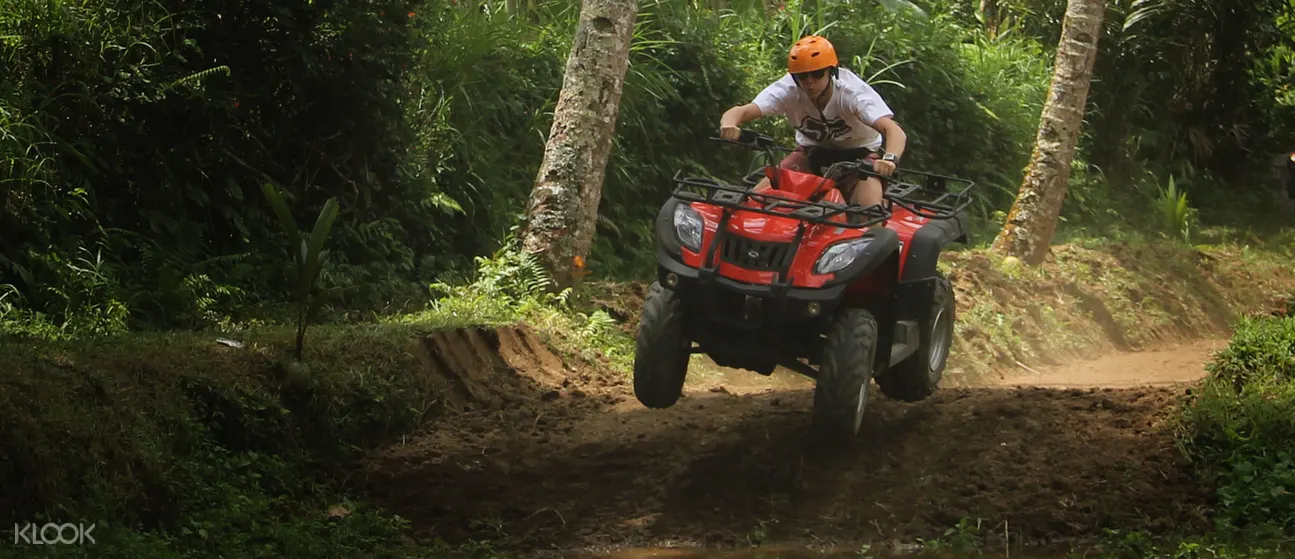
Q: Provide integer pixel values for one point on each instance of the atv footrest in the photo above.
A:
(907, 341)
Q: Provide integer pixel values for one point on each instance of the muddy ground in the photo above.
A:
(546, 455)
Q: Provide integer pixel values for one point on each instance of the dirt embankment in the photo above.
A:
(1083, 301)
(559, 456)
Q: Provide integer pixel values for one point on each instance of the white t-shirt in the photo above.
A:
(845, 123)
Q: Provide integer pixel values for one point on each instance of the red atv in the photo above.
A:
(793, 276)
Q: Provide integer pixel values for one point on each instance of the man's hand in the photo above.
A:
(883, 168)
(734, 117)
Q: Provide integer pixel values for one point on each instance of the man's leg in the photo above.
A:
(866, 192)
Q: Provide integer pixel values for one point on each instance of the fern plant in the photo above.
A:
(1176, 215)
(309, 254)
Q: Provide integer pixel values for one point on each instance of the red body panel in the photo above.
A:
(766, 228)
(800, 185)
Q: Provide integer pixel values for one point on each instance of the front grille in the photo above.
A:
(756, 255)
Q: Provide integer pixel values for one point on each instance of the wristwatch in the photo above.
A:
(890, 157)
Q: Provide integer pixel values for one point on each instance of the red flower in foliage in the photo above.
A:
(411, 14)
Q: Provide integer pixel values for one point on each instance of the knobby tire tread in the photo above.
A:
(661, 360)
(848, 355)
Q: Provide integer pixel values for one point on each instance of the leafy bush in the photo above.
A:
(141, 130)
(178, 447)
(1240, 430)
(137, 131)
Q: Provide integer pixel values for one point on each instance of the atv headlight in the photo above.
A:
(840, 255)
(688, 226)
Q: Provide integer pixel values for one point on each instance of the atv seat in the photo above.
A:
(801, 185)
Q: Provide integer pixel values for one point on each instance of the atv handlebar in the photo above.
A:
(733, 197)
(753, 140)
(931, 199)
(750, 139)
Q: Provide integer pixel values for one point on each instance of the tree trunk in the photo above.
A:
(1032, 221)
(563, 208)
(989, 10)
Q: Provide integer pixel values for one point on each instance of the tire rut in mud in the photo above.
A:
(1050, 463)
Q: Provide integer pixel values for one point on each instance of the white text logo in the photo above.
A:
(52, 533)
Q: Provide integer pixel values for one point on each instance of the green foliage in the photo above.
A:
(150, 164)
(126, 138)
(185, 447)
(88, 304)
(178, 447)
(131, 130)
(1116, 544)
(512, 286)
(308, 252)
(1176, 216)
(1239, 427)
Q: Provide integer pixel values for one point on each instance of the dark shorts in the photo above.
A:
(815, 159)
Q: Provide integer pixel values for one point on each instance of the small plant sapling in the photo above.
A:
(309, 254)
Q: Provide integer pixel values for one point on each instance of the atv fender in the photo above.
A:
(884, 244)
(915, 292)
(927, 242)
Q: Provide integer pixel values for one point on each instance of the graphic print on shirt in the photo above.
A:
(846, 121)
(824, 130)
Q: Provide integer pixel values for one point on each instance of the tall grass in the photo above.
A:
(1239, 429)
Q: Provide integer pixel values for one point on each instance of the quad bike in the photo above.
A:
(792, 276)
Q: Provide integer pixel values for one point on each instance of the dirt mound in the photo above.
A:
(483, 368)
(493, 378)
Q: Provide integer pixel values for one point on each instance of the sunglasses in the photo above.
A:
(816, 74)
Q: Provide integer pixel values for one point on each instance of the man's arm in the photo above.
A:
(737, 116)
(896, 139)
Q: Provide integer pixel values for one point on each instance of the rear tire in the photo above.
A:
(661, 350)
(918, 377)
(845, 373)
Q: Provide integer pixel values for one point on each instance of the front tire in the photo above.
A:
(661, 350)
(845, 373)
(917, 378)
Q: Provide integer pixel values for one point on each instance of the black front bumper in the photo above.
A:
(723, 301)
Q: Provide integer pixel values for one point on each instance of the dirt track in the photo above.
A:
(583, 465)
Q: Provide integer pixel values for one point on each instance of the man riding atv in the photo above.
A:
(784, 271)
(837, 117)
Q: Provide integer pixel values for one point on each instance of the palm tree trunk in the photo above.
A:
(563, 208)
(989, 10)
(1032, 221)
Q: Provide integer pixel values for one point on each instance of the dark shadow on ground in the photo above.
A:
(720, 470)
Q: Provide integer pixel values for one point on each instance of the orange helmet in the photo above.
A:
(811, 53)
